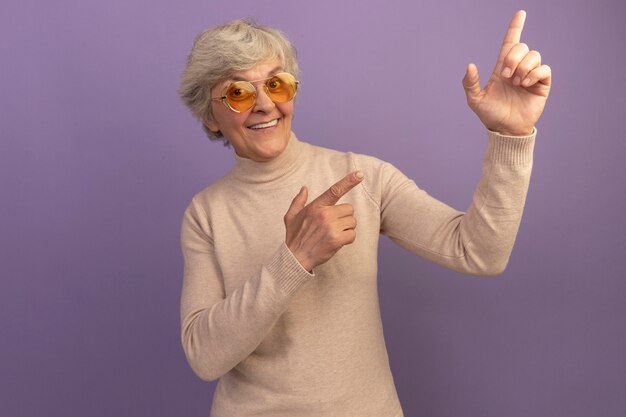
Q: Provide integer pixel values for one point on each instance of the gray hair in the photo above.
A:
(219, 52)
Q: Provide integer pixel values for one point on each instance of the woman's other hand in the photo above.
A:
(516, 92)
(315, 232)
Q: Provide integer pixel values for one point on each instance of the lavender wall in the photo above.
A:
(98, 160)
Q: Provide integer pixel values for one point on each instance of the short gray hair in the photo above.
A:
(219, 52)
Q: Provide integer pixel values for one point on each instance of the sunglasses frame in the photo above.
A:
(224, 97)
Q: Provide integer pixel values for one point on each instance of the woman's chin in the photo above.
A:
(268, 144)
(269, 152)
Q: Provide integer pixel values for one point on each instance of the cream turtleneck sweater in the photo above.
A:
(288, 343)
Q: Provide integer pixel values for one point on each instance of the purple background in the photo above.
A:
(98, 159)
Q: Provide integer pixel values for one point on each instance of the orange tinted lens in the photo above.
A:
(281, 87)
(241, 95)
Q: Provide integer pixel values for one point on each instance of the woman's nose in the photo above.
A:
(263, 101)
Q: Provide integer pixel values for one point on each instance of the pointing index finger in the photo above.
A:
(513, 34)
(331, 196)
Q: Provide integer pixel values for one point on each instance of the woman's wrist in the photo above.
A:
(514, 132)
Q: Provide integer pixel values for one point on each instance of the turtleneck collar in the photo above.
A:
(253, 172)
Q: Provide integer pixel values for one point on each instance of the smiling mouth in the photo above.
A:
(271, 123)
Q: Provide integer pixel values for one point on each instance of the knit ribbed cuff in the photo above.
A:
(287, 271)
(511, 150)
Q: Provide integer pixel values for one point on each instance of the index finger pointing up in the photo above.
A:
(513, 34)
(331, 196)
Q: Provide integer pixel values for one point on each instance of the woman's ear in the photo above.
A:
(211, 124)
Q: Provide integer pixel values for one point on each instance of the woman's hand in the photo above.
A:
(516, 92)
(316, 232)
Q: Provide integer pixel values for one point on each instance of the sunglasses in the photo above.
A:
(241, 95)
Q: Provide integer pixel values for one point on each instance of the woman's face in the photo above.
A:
(262, 132)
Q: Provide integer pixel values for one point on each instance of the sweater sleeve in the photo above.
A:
(478, 241)
(219, 331)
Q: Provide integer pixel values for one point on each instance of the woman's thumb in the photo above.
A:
(298, 203)
(471, 83)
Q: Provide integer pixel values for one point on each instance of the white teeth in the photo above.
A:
(264, 125)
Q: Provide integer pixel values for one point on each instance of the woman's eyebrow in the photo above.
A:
(273, 71)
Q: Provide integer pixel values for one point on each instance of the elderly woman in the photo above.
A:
(279, 299)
